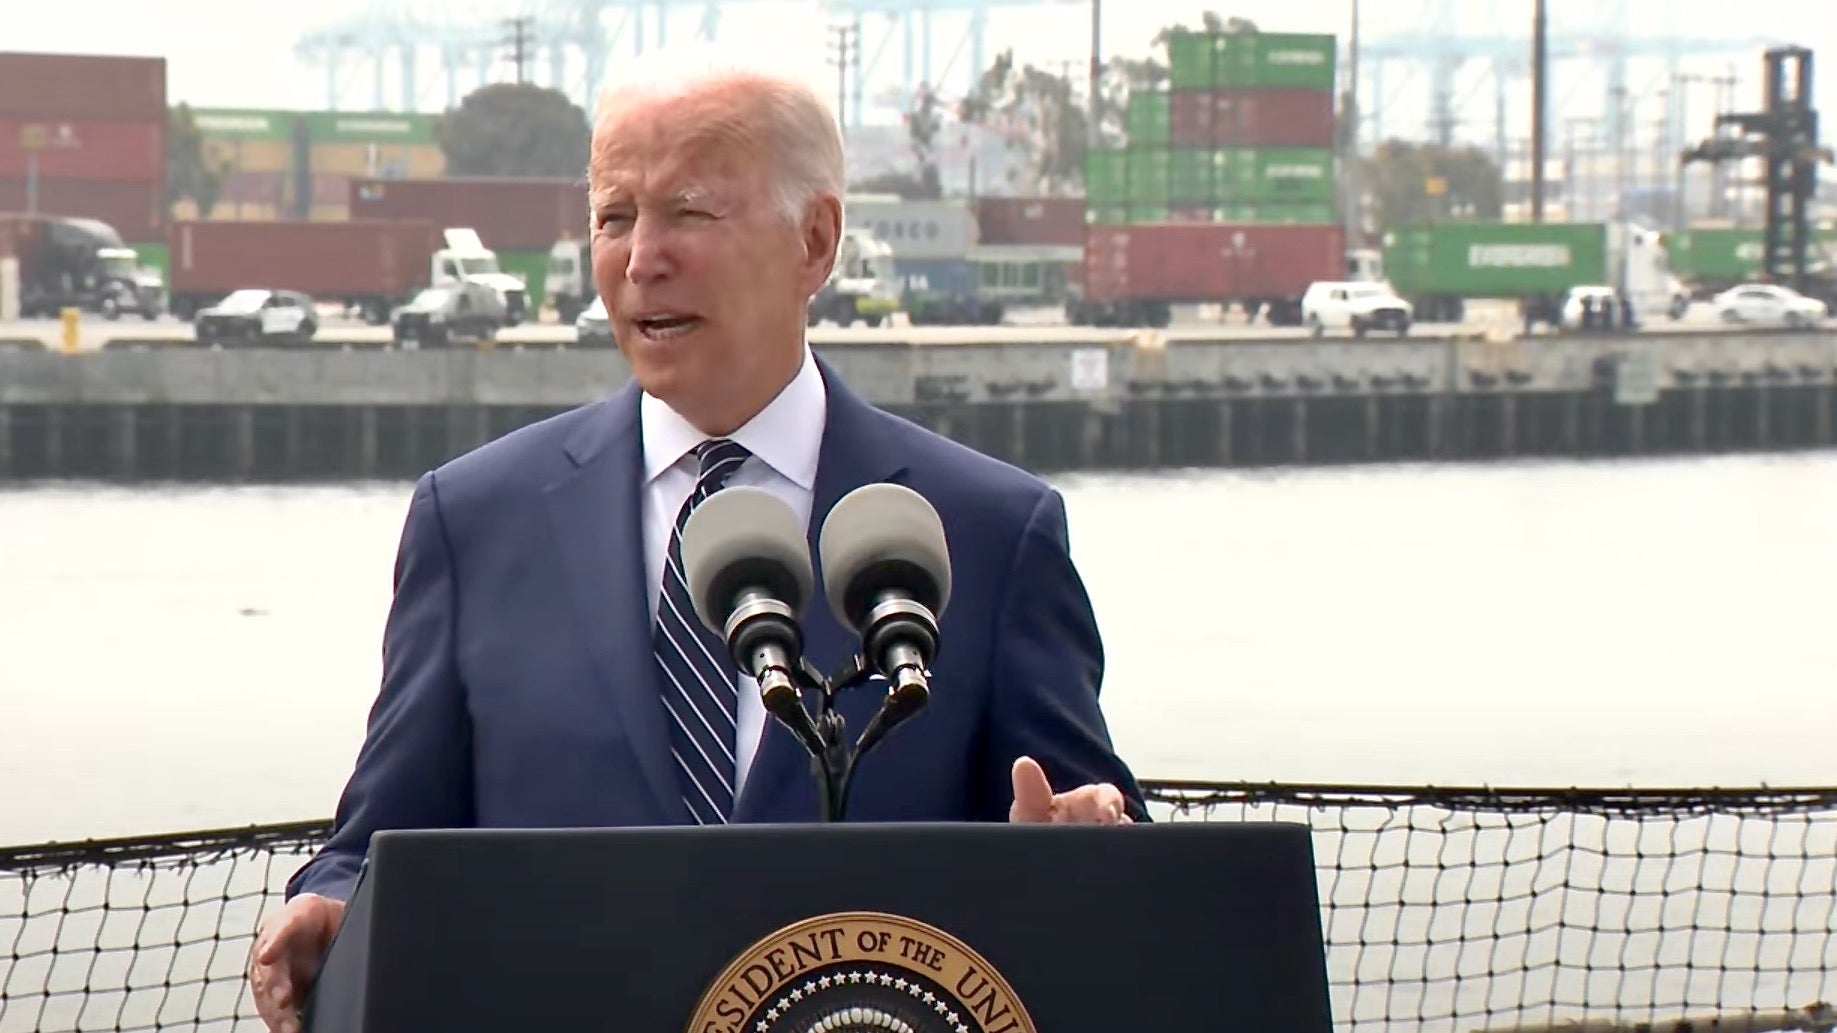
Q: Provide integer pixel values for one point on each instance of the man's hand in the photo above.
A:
(284, 960)
(1034, 800)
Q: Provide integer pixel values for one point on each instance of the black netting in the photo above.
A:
(1445, 911)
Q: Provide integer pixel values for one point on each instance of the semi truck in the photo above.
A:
(1439, 267)
(567, 284)
(1712, 259)
(861, 286)
(369, 266)
(77, 263)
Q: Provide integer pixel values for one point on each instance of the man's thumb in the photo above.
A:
(1032, 793)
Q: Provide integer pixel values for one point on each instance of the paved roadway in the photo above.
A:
(1191, 324)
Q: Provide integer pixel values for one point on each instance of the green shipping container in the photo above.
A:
(1292, 175)
(1293, 213)
(1106, 177)
(155, 255)
(1191, 177)
(1726, 253)
(1189, 61)
(1106, 215)
(1495, 260)
(1149, 121)
(532, 266)
(1274, 59)
(1149, 213)
(1149, 172)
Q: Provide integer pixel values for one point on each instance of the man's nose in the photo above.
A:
(649, 256)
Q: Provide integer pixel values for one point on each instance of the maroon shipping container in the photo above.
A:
(1190, 213)
(254, 188)
(331, 190)
(137, 211)
(82, 86)
(1272, 118)
(357, 262)
(133, 152)
(1030, 221)
(509, 214)
(1201, 262)
(1190, 113)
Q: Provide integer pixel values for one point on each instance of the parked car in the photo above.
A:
(258, 317)
(1593, 307)
(592, 328)
(1356, 306)
(1769, 304)
(439, 317)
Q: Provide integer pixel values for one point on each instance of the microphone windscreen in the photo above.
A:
(880, 537)
(741, 538)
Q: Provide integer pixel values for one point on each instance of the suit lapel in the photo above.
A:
(597, 514)
(853, 453)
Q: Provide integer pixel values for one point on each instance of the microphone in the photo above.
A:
(747, 566)
(886, 571)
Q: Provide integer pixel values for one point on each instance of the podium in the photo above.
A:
(921, 928)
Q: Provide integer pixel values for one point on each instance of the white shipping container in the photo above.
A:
(915, 229)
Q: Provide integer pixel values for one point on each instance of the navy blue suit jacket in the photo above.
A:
(519, 688)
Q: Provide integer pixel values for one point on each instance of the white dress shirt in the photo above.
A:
(784, 440)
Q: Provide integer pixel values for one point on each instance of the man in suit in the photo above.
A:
(542, 665)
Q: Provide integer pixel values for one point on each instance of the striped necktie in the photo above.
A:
(698, 673)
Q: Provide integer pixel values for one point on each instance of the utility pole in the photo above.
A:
(521, 29)
(1539, 59)
(1092, 140)
(847, 49)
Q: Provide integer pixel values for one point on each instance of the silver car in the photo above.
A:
(591, 328)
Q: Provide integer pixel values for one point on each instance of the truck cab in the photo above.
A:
(863, 284)
(569, 279)
(466, 259)
(78, 263)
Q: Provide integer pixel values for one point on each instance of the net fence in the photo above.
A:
(1444, 911)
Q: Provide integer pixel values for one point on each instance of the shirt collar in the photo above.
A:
(786, 435)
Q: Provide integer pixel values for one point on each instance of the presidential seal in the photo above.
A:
(859, 972)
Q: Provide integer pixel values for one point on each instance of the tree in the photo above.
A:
(1411, 182)
(189, 171)
(514, 129)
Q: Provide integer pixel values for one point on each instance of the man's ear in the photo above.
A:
(821, 232)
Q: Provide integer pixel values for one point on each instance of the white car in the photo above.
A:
(1605, 304)
(1769, 304)
(1359, 307)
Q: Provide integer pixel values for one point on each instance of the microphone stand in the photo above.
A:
(832, 761)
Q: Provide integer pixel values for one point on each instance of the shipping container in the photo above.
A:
(153, 254)
(1189, 61)
(396, 129)
(137, 211)
(1191, 177)
(367, 263)
(945, 276)
(1030, 220)
(509, 214)
(331, 190)
(1106, 177)
(1189, 213)
(377, 160)
(82, 86)
(1495, 260)
(1132, 273)
(1149, 213)
(1281, 174)
(132, 152)
(532, 268)
(1150, 176)
(1190, 119)
(245, 124)
(250, 155)
(329, 213)
(1279, 212)
(1147, 122)
(1106, 214)
(915, 229)
(1265, 118)
(1279, 59)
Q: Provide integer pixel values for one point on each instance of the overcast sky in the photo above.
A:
(225, 53)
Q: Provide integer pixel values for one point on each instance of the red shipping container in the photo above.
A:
(1209, 262)
(1272, 118)
(509, 214)
(132, 152)
(1191, 118)
(82, 86)
(137, 211)
(323, 259)
(1030, 221)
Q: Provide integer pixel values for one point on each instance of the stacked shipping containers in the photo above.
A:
(299, 164)
(96, 129)
(1244, 134)
(1225, 189)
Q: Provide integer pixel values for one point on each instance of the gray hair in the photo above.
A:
(795, 125)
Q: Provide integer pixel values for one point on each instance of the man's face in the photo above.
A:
(702, 276)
